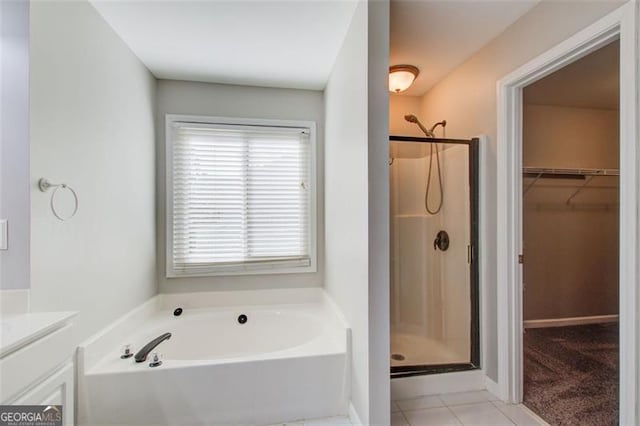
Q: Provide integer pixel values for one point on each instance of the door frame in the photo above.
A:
(623, 24)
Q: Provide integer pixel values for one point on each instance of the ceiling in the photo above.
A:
(273, 43)
(591, 82)
(438, 35)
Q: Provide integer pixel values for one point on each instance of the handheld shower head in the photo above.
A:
(429, 132)
(411, 118)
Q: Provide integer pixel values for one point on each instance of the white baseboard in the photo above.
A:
(492, 387)
(432, 384)
(563, 322)
(353, 416)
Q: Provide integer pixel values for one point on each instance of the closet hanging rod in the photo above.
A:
(540, 171)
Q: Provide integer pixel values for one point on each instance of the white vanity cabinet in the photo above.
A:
(36, 361)
(57, 389)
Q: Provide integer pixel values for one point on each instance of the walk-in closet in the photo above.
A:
(570, 241)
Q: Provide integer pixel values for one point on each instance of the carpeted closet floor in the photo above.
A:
(571, 374)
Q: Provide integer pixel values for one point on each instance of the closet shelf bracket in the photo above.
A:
(577, 191)
(532, 183)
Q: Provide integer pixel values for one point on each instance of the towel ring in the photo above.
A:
(45, 185)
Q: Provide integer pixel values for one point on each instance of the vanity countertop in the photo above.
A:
(21, 329)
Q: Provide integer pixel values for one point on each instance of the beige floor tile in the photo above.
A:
(432, 417)
(460, 398)
(397, 419)
(419, 403)
(329, 421)
(484, 413)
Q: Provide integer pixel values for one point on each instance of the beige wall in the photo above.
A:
(571, 251)
(466, 98)
(567, 137)
(399, 106)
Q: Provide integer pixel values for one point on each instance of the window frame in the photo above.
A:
(170, 121)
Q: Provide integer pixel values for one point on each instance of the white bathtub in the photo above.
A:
(289, 361)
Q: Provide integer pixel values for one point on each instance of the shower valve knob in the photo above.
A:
(442, 241)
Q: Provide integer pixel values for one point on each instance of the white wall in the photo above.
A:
(92, 126)
(466, 98)
(181, 97)
(378, 169)
(14, 137)
(356, 203)
(346, 199)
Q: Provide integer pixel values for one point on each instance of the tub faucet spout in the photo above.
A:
(142, 354)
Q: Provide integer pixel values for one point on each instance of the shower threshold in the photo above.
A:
(421, 370)
(417, 355)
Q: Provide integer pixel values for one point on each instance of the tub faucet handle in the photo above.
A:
(155, 360)
(126, 352)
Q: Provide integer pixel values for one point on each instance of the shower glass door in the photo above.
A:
(434, 296)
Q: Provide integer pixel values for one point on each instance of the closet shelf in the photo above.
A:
(412, 215)
(570, 172)
(587, 174)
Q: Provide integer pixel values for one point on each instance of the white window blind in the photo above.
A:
(241, 198)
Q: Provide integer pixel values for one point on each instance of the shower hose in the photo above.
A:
(426, 194)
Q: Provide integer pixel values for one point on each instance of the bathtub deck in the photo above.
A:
(329, 421)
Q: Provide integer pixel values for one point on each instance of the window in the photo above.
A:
(241, 196)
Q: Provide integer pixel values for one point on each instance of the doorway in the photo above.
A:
(570, 239)
(620, 24)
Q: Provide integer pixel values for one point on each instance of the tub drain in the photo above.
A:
(397, 357)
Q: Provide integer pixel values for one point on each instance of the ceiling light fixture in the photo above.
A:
(401, 77)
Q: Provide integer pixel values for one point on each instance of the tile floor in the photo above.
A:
(478, 408)
(465, 408)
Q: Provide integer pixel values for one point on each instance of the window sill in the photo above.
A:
(274, 271)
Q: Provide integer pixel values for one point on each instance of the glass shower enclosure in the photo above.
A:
(434, 256)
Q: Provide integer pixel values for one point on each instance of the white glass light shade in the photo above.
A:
(401, 77)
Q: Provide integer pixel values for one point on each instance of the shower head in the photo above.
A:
(413, 119)
(429, 132)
